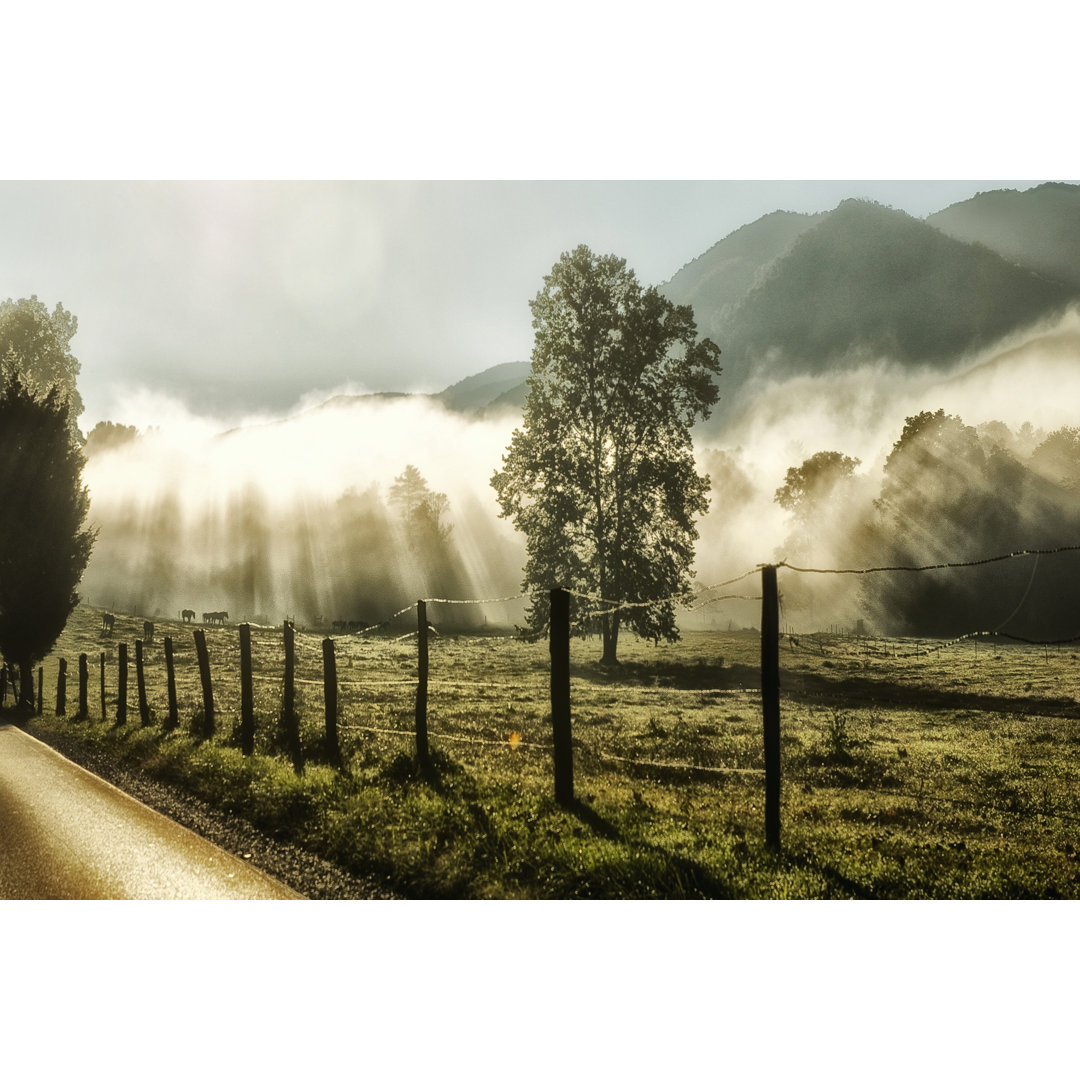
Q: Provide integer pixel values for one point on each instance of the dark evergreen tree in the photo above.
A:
(44, 542)
(601, 476)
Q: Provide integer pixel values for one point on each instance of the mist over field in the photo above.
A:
(292, 515)
(1013, 395)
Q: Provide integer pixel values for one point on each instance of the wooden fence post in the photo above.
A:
(330, 700)
(770, 701)
(422, 754)
(101, 666)
(61, 689)
(207, 685)
(288, 703)
(140, 683)
(560, 696)
(84, 683)
(121, 685)
(247, 700)
(172, 721)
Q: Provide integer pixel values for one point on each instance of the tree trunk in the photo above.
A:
(610, 626)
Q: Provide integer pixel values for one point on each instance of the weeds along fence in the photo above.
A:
(350, 701)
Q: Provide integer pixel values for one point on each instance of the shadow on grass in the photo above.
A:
(806, 861)
(694, 878)
(714, 675)
(588, 816)
(855, 692)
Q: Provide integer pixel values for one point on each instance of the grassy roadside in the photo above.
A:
(949, 775)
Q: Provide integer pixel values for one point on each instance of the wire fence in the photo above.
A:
(492, 695)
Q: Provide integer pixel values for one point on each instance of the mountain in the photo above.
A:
(865, 282)
(714, 283)
(486, 388)
(802, 294)
(1038, 229)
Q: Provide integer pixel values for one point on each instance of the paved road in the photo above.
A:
(66, 834)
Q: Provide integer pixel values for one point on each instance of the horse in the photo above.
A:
(147, 631)
(188, 615)
(107, 621)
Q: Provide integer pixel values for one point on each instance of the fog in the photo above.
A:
(1030, 379)
(268, 517)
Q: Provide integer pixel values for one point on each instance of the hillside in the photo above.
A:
(870, 280)
(795, 294)
(481, 390)
(867, 282)
(713, 283)
(1037, 229)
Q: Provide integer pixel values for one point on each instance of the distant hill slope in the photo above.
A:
(797, 294)
(865, 281)
(1038, 229)
(481, 390)
(868, 279)
(713, 283)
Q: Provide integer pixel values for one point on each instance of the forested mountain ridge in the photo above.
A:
(802, 294)
(716, 281)
(1038, 229)
(866, 282)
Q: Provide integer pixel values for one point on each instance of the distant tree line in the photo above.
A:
(950, 492)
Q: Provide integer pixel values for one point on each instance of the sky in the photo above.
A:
(368, 199)
(250, 297)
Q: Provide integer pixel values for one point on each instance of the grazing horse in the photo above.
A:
(207, 616)
(147, 631)
(188, 615)
(107, 621)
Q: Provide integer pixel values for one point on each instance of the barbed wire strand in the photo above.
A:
(932, 566)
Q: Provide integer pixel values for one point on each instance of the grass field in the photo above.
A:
(952, 773)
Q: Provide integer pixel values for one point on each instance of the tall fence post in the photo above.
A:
(560, 696)
(247, 700)
(288, 703)
(61, 689)
(172, 721)
(84, 684)
(770, 701)
(330, 700)
(422, 684)
(101, 668)
(140, 683)
(207, 685)
(121, 684)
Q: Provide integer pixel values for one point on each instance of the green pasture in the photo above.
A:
(951, 773)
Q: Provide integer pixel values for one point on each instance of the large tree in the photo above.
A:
(38, 343)
(44, 544)
(601, 475)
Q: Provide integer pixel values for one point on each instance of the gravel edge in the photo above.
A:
(308, 874)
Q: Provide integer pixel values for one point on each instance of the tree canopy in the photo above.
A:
(38, 343)
(44, 544)
(601, 475)
(805, 487)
